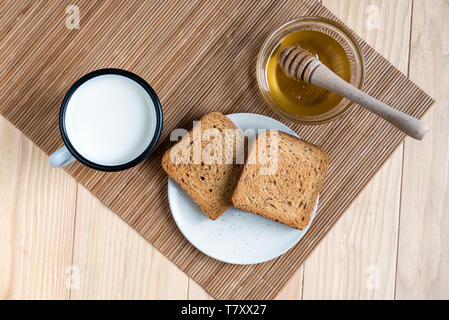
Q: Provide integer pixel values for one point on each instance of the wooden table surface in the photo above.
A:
(57, 241)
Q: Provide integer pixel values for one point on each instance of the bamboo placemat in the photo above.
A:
(199, 57)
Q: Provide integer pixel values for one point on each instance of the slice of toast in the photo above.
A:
(288, 194)
(209, 180)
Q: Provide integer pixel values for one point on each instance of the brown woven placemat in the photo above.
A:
(199, 57)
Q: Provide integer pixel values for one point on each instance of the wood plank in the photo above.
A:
(357, 260)
(37, 208)
(390, 36)
(196, 292)
(115, 262)
(423, 258)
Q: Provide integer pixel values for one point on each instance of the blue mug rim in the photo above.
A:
(145, 86)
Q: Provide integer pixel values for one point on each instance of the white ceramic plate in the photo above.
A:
(236, 237)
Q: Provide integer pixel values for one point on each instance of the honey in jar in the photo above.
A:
(298, 97)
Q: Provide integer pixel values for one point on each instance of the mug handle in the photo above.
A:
(61, 157)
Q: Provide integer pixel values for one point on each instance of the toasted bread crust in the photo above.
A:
(288, 195)
(210, 185)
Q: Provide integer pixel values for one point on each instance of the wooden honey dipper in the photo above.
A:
(300, 64)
